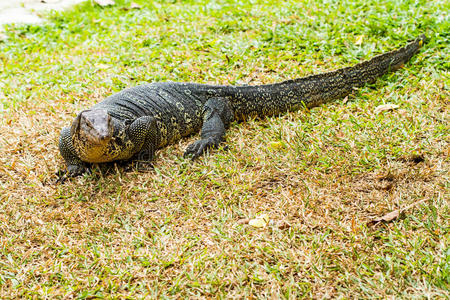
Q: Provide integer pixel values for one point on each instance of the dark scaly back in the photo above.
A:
(177, 111)
(312, 90)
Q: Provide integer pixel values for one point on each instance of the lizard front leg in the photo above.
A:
(74, 165)
(217, 116)
(143, 131)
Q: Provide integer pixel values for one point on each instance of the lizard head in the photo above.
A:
(93, 131)
(93, 126)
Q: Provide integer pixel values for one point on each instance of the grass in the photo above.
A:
(178, 231)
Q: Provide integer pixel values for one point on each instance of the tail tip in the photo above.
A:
(422, 39)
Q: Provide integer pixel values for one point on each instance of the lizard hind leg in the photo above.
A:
(217, 116)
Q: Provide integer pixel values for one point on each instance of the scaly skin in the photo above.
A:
(133, 123)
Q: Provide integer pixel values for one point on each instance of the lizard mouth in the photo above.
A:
(98, 140)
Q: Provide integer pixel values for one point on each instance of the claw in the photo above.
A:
(72, 171)
(144, 166)
(199, 147)
(62, 176)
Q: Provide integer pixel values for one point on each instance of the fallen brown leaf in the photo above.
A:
(243, 221)
(282, 225)
(354, 229)
(394, 214)
(385, 107)
(134, 5)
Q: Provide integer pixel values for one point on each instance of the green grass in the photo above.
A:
(178, 231)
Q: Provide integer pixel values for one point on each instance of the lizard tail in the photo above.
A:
(313, 90)
(401, 56)
(339, 83)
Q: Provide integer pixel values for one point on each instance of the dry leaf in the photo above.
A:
(385, 107)
(134, 5)
(102, 66)
(243, 221)
(359, 40)
(394, 214)
(260, 221)
(354, 229)
(276, 145)
(104, 3)
(282, 225)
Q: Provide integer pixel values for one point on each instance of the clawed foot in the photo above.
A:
(144, 166)
(62, 176)
(199, 147)
(72, 171)
(143, 161)
(140, 166)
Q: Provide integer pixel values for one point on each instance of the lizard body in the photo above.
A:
(137, 121)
